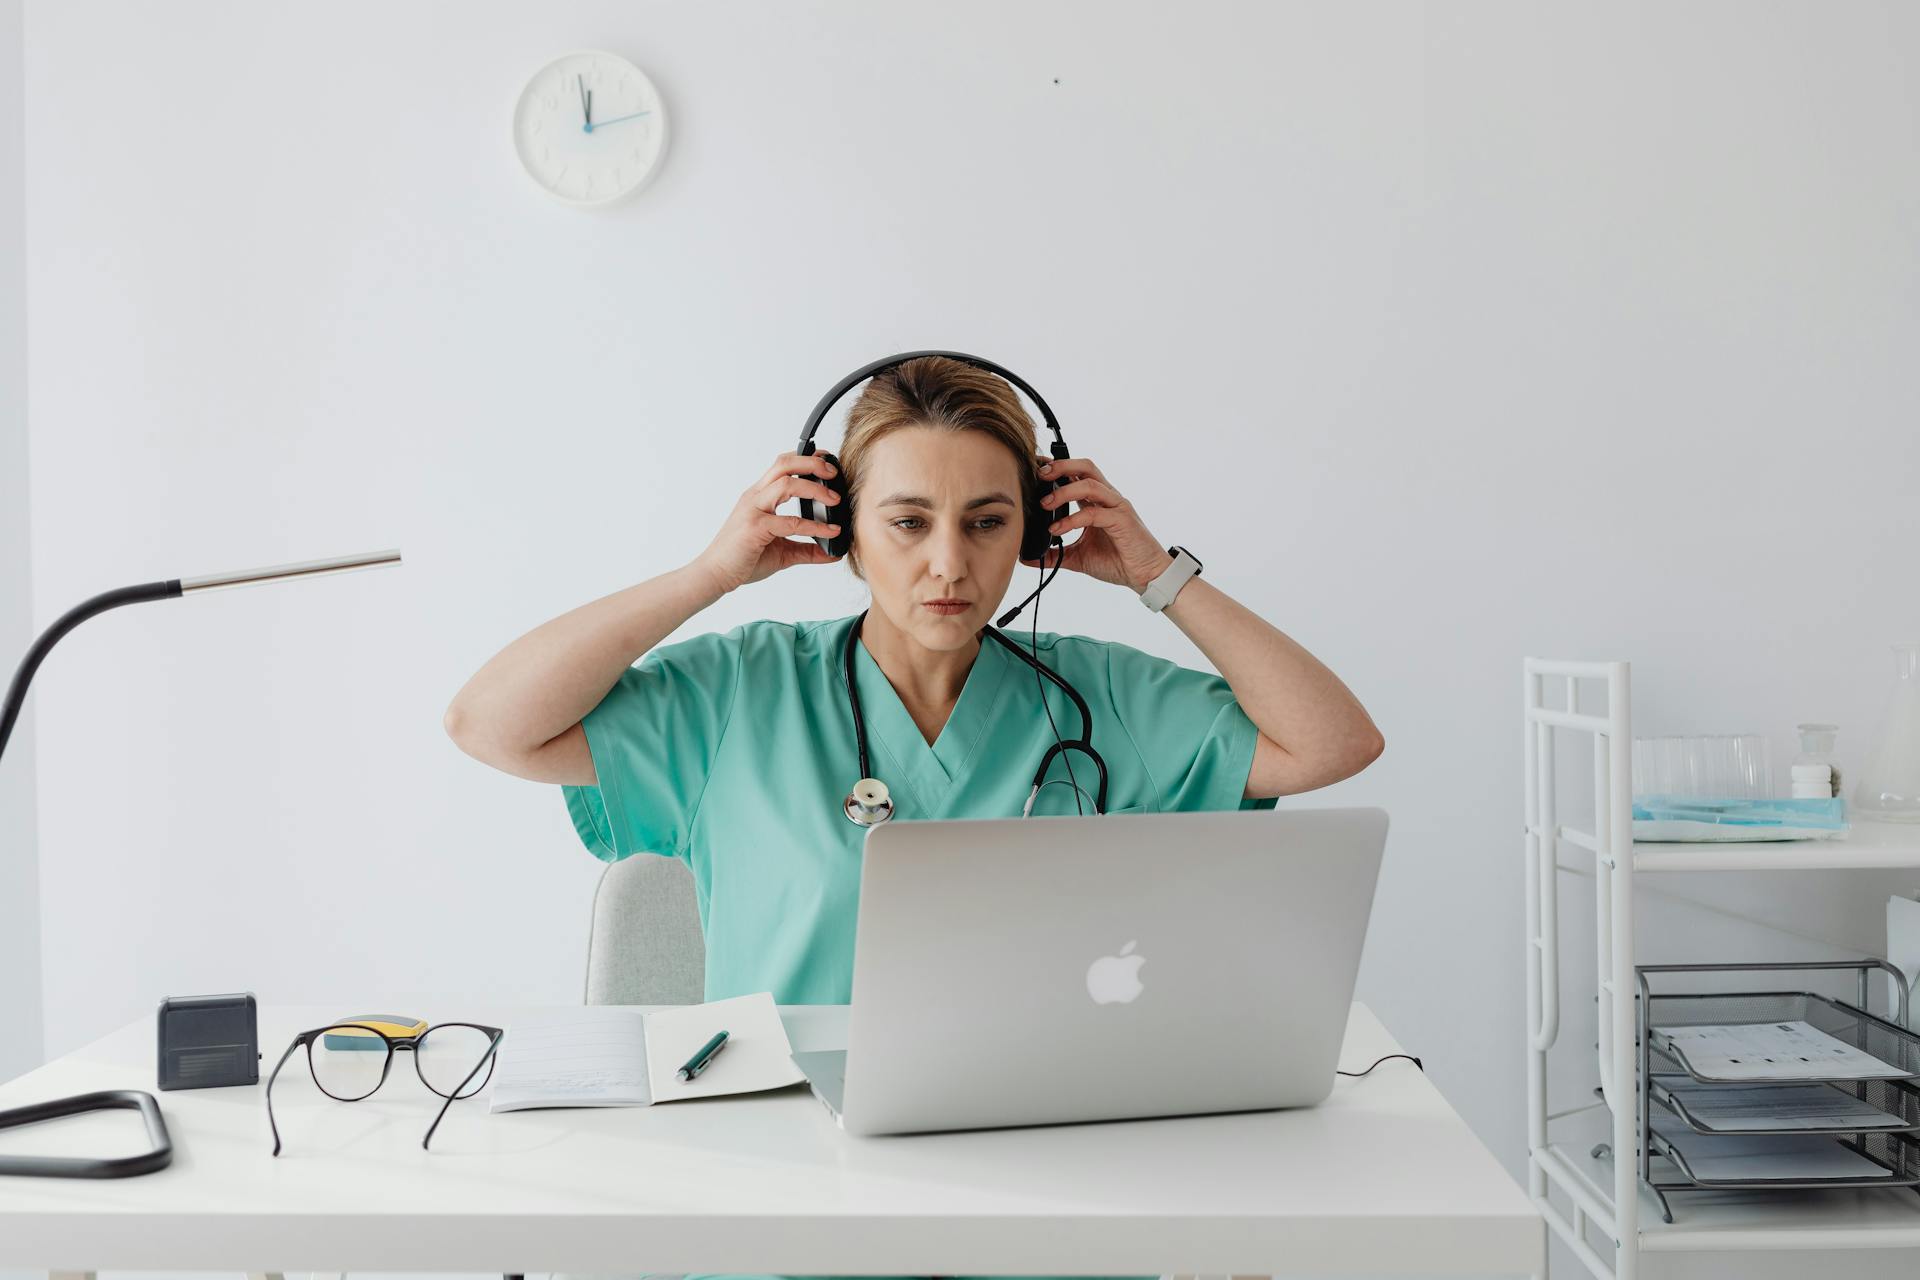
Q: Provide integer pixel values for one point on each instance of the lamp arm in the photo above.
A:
(23, 676)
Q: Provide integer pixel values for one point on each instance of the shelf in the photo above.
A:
(1867, 845)
(1869, 1218)
(1579, 1201)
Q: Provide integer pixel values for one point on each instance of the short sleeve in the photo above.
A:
(1196, 741)
(654, 740)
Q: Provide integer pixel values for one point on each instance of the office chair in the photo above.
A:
(644, 944)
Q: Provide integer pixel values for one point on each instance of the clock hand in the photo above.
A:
(586, 104)
(617, 119)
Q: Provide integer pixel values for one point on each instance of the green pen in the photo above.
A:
(708, 1052)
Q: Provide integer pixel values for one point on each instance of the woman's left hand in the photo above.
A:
(1116, 546)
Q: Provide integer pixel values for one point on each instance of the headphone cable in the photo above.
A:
(1033, 644)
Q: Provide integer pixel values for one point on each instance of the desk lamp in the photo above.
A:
(161, 1152)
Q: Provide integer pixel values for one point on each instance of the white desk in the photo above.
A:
(1383, 1177)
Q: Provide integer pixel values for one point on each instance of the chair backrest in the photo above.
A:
(644, 945)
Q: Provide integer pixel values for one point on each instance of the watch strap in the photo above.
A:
(1162, 590)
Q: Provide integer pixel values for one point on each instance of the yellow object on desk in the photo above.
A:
(395, 1026)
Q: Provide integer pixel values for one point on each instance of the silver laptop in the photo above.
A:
(1015, 971)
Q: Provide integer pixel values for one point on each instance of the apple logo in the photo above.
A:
(1115, 979)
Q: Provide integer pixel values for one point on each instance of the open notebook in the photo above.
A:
(607, 1056)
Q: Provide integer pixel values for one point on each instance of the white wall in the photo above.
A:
(19, 864)
(1444, 336)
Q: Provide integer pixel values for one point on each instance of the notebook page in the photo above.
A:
(757, 1055)
(590, 1056)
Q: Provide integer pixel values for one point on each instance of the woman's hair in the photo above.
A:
(947, 395)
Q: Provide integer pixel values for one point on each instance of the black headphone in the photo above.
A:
(1034, 538)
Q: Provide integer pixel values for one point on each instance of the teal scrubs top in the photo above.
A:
(734, 752)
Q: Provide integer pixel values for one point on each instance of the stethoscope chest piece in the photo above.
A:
(870, 803)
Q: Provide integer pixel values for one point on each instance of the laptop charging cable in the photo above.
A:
(1377, 1061)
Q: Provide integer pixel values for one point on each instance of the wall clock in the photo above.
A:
(590, 128)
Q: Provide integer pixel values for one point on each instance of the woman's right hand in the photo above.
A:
(756, 542)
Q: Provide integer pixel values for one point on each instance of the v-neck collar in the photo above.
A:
(901, 753)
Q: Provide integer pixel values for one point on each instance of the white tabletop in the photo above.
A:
(1382, 1177)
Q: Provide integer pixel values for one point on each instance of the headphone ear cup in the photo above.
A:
(840, 513)
(1035, 540)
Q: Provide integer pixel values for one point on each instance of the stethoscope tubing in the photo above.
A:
(1083, 744)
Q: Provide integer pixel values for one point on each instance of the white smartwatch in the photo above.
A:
(1161, 591)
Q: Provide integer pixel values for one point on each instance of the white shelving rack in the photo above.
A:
(1601, 1192)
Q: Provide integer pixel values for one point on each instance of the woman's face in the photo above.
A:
(938, 519)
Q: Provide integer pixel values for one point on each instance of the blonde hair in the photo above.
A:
(947, 395)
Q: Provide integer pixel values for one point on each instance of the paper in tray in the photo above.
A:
(1763, 1051)
(1753, 1108)
(1766, 1158)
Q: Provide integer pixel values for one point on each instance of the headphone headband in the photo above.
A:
(881, 366)
(1034, 538)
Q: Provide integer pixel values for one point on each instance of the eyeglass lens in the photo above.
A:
(348, 1062)
(446, 1056)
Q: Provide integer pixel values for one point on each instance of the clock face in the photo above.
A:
(590, 128)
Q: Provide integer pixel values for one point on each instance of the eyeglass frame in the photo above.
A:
(392, 1046)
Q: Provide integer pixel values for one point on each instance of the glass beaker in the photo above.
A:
(1889, 788)
(1725, 766)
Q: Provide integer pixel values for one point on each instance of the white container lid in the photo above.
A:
(1812, 773)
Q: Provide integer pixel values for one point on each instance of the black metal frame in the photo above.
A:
(158, 1157)
(1651, 1144)
(392, 1045)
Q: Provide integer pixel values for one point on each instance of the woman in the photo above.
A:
(735, 751)
(940, 463)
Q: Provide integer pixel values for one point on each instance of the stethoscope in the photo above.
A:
(870, 803)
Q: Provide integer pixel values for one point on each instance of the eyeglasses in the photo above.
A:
(454, 1059)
